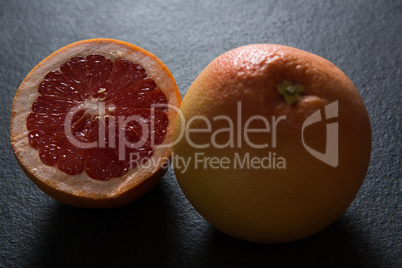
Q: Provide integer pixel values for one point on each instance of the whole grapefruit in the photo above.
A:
(272, 143)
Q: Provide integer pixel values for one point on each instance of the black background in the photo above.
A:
(161, 229)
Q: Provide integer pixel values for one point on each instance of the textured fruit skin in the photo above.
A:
(271, 205)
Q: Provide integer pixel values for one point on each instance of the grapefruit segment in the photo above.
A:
(55, 85)
(98, 71)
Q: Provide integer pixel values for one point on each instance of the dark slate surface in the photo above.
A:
(161, 229)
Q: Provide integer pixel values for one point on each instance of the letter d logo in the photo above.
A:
(331, 148)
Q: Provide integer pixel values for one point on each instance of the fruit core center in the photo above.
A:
(92, 106)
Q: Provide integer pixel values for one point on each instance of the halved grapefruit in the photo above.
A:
(91, 124)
